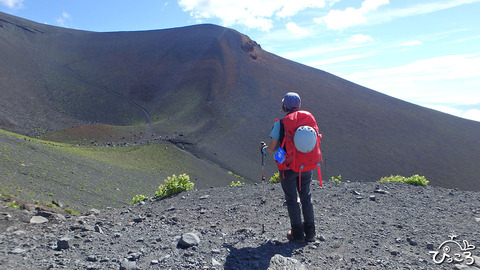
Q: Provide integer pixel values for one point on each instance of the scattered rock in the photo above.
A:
(395, 232)
(372, 198)
(19, 232)
(215, 262)
(279, 262)
(18, 251)
(44, 214)
(98, 229)
(394, 252)
(57, 203)
(189, 240)
(381, 191)
(411, 241)
(138, 219)
(91, 258)
(6, 216)
(38, 220)
(134, 256)
(63, 243)
(93, 211)
(59, 217)
(128, 265)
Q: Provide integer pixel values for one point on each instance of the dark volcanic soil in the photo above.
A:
(359, 226)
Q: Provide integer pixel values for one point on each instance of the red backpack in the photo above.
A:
(294, 159)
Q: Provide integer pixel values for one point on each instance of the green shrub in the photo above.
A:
(138, 198)
(392, 178)
(336, 179)
(174, 185)
(13, 204)
(71, 211)
(275, 178)
(51, 205)
(416, 180)
(236, 184)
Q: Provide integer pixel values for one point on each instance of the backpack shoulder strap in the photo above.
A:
(282, 133)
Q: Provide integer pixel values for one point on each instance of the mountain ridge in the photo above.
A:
(215, 92)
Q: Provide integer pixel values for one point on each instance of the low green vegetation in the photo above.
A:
(138, 198)
(336, 179)
(416, 179)
(52, 205)
(13, 204)
(236, 175)
(85, 176)
(275, 178)
(236, 184)
(71, 211)
(174, 184)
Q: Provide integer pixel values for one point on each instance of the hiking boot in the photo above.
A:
(296, 234)
(309, 228)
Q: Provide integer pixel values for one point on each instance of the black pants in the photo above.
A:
(290, 186)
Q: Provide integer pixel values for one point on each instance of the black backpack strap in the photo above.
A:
(282, 133)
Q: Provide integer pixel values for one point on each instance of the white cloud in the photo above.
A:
(441, 83)
(337, 19)
(419, 9)
(12, 3)
(360, 38)
(444, 108)
(341, 19)
(334, 60)
(330, 3)
(428, 81)
(444, 67)
(369, 5)
(62, 20)
(296, 30)
(473, 114)
(411, 43)
(291, 8)
(320, 51)
(258, 14)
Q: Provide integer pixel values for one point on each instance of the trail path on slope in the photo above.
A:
(107, 89)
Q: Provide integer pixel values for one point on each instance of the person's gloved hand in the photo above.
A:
(262, 144)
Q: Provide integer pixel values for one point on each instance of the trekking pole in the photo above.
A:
(263, 193)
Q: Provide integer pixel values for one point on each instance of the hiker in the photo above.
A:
(298, 180)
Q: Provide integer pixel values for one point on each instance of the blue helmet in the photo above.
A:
(292, 101)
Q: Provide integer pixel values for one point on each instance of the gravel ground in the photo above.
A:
(359, 226)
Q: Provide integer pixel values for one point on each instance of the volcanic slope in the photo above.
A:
(221, 92)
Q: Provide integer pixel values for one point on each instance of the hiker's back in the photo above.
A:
(296, 160)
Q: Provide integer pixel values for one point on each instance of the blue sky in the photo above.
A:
(422, 51)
